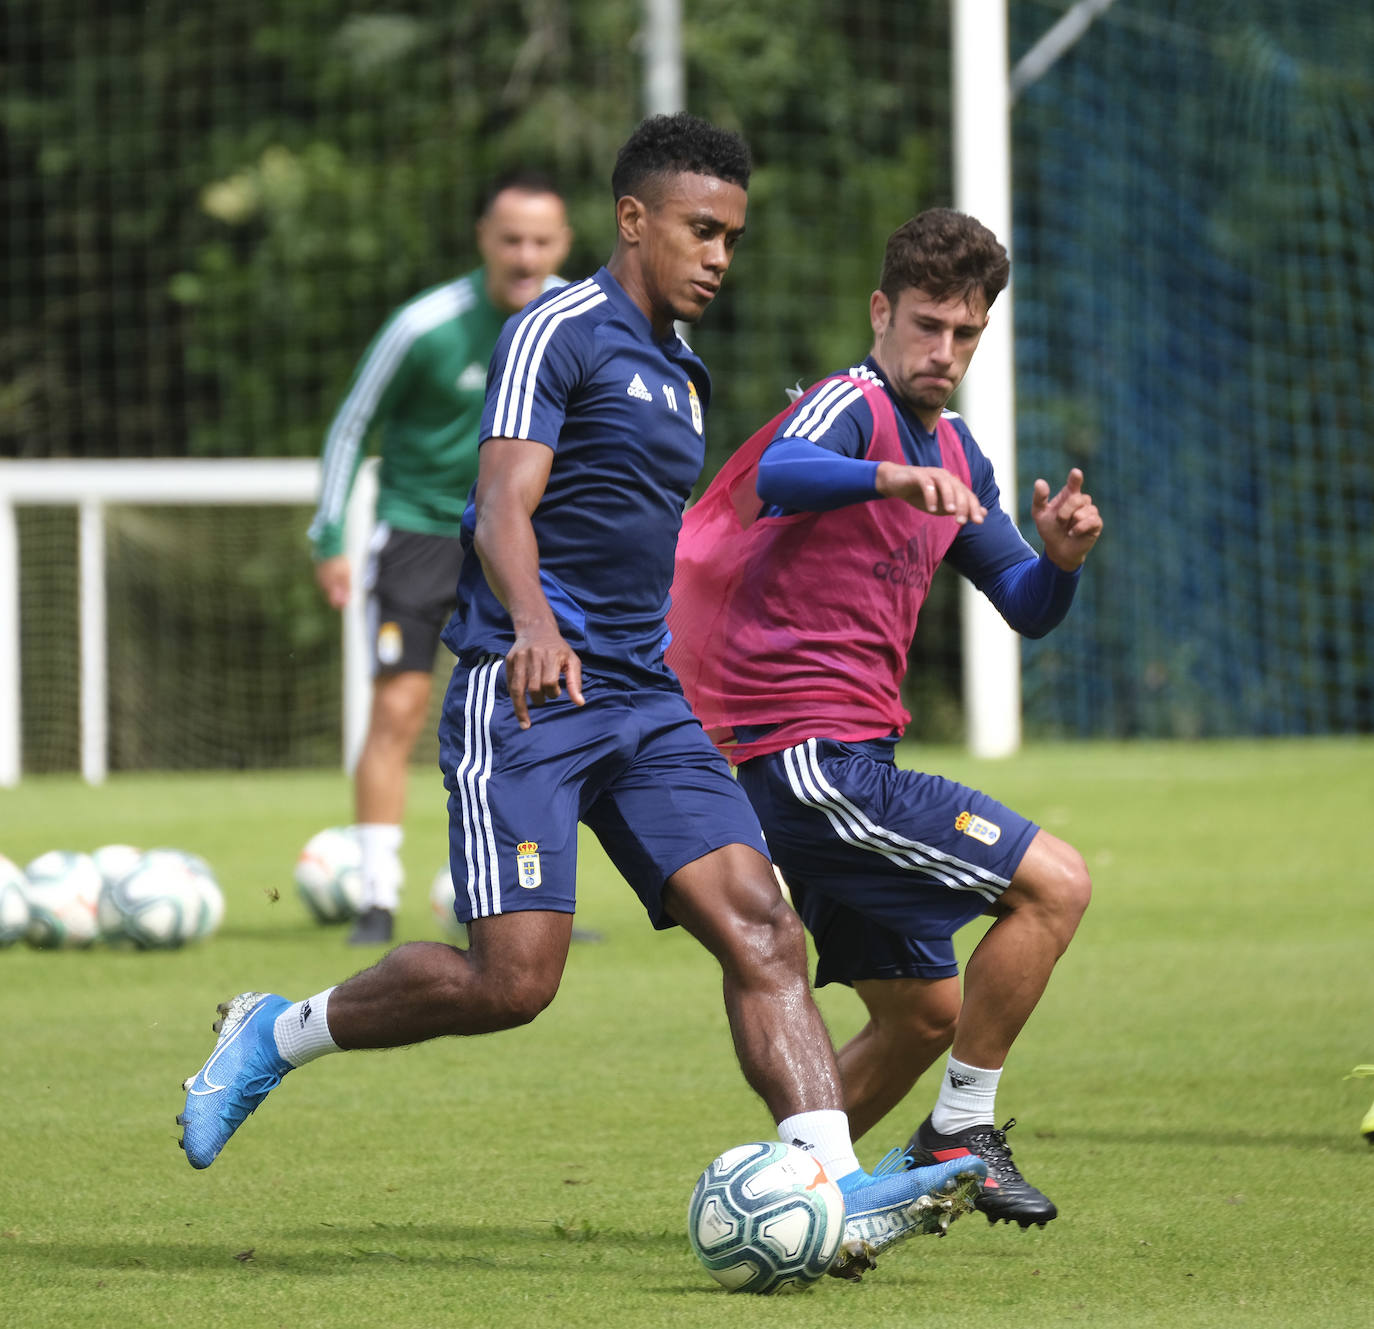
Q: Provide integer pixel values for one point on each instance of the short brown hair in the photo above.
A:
(944, 254)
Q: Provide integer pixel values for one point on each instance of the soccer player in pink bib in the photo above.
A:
(800, 576)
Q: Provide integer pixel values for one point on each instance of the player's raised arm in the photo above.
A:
(511, 478)
(1069, 523)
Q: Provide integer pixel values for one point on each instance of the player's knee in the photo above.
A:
(770, 935)
(1053, 880)
(525, 996)
(1074, 888)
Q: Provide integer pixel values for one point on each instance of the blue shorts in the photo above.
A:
(884, 864)
(632, 763)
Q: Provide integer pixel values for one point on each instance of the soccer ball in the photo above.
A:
(764, 1217)
(163, 902)
(115, 861)
(441, 905)
(213, 914)
(62, 889)
(327, 875)
(14, 905)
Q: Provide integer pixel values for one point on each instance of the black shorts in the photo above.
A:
(411, 583)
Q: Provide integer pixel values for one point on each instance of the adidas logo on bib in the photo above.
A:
(638, 391)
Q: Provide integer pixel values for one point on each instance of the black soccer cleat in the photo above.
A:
(1007, 1195)
(373, 928)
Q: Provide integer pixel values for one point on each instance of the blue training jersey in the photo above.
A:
(580, 371)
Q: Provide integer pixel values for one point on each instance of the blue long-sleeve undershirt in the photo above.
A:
(1031, 593)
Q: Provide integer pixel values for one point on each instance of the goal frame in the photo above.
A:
(90, 487)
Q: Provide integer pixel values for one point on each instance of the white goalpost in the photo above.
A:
(90, 487)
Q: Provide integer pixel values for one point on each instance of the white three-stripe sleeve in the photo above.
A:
(849, 821)
(379, 367)
(519, 383)
(816, 416)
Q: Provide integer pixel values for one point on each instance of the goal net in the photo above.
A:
(1194, 274)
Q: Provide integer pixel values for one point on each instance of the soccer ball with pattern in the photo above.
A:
(14, 904)
(764, 1217)
(328, 876)
(441, 905)
(62, 889)
(164, 900)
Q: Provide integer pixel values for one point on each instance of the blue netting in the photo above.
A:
(1195, 301)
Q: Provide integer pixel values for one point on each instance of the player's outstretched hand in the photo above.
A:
(1069, 523)
(932, 489)
(537, 666)
(332, 576)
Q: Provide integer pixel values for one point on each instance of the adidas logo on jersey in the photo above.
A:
(473, 378)
(638, 391)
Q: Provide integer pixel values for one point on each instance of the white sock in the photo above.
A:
(302, 1030)
(380, 870)
(825, 1136)
(968, 1097)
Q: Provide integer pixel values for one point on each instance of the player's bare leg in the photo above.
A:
(1004, 979)
(729, 900)
(911, 1023)
(1010, 967)
(400, 703)
(419, 991)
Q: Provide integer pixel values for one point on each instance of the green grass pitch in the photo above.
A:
(1179, 1091)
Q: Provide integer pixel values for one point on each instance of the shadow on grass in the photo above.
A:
(325, 1251)
(1228, 1138)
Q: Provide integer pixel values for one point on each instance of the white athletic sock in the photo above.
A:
(968, 1097)
(825, 1136)
(302, 1030)
(380, 870)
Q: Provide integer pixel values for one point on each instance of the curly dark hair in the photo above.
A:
(667, 145)
(944, 254)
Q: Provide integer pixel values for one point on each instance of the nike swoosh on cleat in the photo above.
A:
(210, 1087)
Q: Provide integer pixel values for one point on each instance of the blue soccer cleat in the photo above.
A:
(242, 1070)
(897, 1201)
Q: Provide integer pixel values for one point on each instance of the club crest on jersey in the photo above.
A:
(389, 643)
(978, 828)
(527, 864)
(695, 403)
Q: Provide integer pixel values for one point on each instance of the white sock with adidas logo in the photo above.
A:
(302, 1030)
(825, 1136)
(968, 1097)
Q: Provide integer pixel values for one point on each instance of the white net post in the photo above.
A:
(10, 714)
(982, 188)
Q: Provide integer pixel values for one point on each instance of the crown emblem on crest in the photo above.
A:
(527, 847)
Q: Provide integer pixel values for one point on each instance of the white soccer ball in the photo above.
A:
(328, 876)
(62, 889)
(163, 902)
(764, 1217)
(211, 895)
(14, 904)
(115, 861)
(441, 906)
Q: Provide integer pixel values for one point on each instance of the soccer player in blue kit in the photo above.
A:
(561, 709)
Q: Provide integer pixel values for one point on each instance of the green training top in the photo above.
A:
(419, 387)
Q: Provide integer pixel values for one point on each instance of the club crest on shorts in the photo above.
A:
(978, 828)
(695, 403)
(389, 643)
(527, 864)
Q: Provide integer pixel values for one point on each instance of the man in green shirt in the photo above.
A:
(419, 389)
